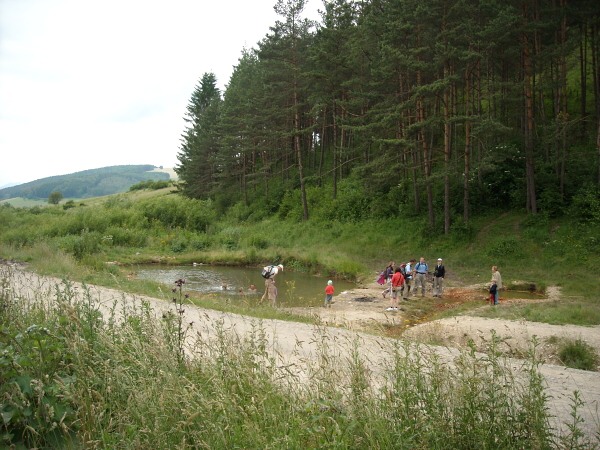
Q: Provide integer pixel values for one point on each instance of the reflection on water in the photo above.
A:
(294, 289)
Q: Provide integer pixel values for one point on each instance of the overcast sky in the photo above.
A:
(88, 83)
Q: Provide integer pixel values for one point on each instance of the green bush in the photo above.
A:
(200, 242)
(585, 205)
(83, 244)
(578, 355)
(258, 242)
(127, 237)
(179, 244)
(504, 248)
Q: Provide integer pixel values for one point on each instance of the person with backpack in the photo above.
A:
(421, 269)
(408, 276)
(268, 273)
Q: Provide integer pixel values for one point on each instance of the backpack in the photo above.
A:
(266, 272)
(407, 276)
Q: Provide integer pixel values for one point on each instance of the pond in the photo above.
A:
(233, 283)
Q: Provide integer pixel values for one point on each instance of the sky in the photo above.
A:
(86, 84)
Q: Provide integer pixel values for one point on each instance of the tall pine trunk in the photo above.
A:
(528, 124)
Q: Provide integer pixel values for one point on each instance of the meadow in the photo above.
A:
(74, 378)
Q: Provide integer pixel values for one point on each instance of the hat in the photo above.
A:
(439, 259)
(280, 266)
(330, 282)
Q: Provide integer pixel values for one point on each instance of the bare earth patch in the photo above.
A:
(295, 344)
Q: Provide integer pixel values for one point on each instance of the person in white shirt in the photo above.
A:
(497, 278)
(270, 288)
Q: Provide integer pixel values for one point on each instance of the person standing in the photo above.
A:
(496, 278)
(421, 269)
(270, 288)
(397, 284)
(408, 276)
(329, 290)
(438, 278)
(388, 272)
(493, 292)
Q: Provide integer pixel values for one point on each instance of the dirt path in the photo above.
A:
(297, 345)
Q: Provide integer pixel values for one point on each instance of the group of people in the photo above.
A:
(400, 279)
(271, 289)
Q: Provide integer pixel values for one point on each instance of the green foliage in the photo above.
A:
(150, 185)
(178, 212)
(586, 205)
(86, 243)
(579, 355)
(461, 231)
(230, 237)
(69, 204)
(136, 367)
(35, 380)
(504, 247)
(55, 197)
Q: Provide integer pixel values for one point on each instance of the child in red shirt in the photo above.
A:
(397, 284)
(329, 290)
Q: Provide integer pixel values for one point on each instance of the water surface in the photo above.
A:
(233, 283)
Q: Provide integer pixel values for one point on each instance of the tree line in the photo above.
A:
(445, 108)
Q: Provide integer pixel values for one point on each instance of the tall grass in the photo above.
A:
(162, 227)
(76, 374)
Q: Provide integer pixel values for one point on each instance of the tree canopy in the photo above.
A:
(446, 108)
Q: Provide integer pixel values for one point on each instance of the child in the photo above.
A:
(493, 290)
(329, 290)
(397, 285)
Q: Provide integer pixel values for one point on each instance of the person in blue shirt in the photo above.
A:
(421, 270)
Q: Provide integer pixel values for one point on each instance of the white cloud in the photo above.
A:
(87, 84)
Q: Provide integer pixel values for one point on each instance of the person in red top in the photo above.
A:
(329, 290)
(397, 283)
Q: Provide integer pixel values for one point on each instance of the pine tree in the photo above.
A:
(197, 168)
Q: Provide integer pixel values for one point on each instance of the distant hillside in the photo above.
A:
(87, 183)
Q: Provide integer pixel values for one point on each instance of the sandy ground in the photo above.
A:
(296, 346)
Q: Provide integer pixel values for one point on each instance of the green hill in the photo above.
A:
(87, 183)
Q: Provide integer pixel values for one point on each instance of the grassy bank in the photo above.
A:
(96, 241)
(75, 378)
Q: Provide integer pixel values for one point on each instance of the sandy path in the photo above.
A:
(297, 345)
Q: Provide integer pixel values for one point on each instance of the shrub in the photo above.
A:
(200, 242)
(86, 243)
(586, 205)
(504, 247)
(578, 355)
(179, 244)
(258, 242)
(127, 237)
